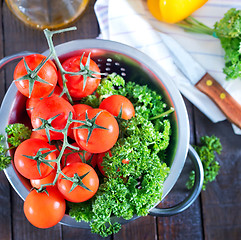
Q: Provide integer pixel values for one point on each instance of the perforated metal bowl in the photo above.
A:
(135, 66)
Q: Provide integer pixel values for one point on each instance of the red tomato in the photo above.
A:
(75, 84)
(44, 210)
(38, 182)
(28, 167)
(71, 156)
(48, 108)
(93, 138)
(116, 103)
(100, 161)
(47, 73)
(79, 193)
(36, 134)
(79, 109)
(32, 102)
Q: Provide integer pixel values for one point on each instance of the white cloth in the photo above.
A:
(130, 22)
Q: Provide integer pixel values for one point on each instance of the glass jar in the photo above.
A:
(49, 14)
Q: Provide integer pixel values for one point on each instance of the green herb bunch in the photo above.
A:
(228, 30)
(16, 133)
(133, 188)
(208, 148)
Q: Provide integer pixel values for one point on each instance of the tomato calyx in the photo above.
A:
(40, 158)
(89, 124)
(47, 126)
(85, 70)
(77, 181)
(32, 75)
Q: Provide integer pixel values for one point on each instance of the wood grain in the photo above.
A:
(221, 202)
(226, 103)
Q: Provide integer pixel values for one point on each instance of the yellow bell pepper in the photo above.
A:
(173, 11)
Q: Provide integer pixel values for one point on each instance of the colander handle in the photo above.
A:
(186, 203)
(4, 61)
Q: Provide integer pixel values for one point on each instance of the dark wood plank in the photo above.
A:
(5, 209)
(77, 233)
(221, 201)
(5, 200)
(141, 228)
(188, 224)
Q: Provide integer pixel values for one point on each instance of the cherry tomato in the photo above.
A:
(48, 74)
(100, 132)
(79, 193)
(28, 167)
(49, 108)
(38, 182)
(71, 156)
(117, 104)
(79, 109)
(36, 134)
(44, 210)
(32, 102)
(100, 161)
(75, 84)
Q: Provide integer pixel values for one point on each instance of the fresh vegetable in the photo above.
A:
(71, 156)
(84, 186)
(118, 106)
(81, 85)
(34, 77)
(173, 11)
(44, 209)
(131, 188)
(36, 183)
(33, 159)
(134, 171)
(96, 130)
(228, 31)
(52, 110)
(206, 151)
(32, 102)
(17, 133)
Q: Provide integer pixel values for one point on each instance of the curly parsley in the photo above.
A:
(228, 30)
(206, 151)
(133, 188)
(17, 133)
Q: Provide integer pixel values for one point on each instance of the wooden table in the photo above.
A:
(214, 215)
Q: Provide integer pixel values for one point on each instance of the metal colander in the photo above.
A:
(135, 66)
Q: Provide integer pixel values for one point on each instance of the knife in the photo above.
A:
(204, 81)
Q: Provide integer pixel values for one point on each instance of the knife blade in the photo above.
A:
(203, 81)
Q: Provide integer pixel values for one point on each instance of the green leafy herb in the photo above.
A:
(228, 30)
(17, 133)
(206, 151)
(135, 187)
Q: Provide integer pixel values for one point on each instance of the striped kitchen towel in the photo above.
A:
(130, 22)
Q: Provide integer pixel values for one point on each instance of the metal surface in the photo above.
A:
(188, 201)
(134, 65)
(183, 60)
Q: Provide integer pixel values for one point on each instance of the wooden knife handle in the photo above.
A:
(226, 103)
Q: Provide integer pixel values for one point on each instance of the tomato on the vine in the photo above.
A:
(44, 209)
(98, 131)
(80, 86)
(40, 85)
(50, 108)
(118, 105)
(29, 157)
(71, 156)
(79, 109)
(85, 186)
(31, 102)
(38, 182)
